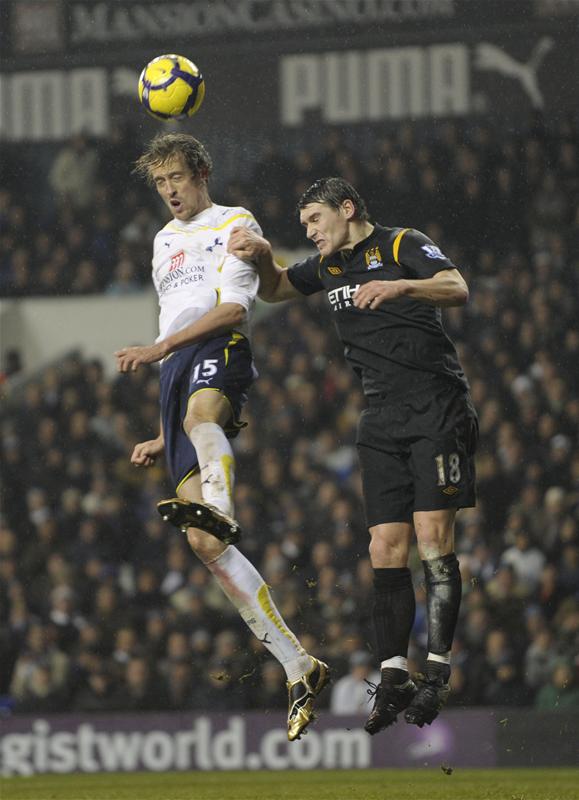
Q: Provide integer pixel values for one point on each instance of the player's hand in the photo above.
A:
(145, 453)
(373, 294)
(129, 359)
(246, 244)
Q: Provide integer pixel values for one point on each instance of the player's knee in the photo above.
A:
(198, 414)
(386, 551)
(434, 538)
(195, 417)
(205, 546)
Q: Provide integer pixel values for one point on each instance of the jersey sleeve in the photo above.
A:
(240, 280)
(421, 257)
(305, 276)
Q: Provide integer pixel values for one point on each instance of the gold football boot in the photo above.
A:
(301, 696)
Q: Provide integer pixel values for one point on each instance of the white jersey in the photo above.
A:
(193, 272)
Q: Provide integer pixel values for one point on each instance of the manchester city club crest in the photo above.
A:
(373, 258)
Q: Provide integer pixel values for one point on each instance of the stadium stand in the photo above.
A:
(102, 607)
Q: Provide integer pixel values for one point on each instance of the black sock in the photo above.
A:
(443, 595)
(391, 675)
(393, 615)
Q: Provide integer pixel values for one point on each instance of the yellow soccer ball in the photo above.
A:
(171, 87)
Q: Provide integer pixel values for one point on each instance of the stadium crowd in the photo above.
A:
(103, 607)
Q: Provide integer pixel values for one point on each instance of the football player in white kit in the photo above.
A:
(206, 297)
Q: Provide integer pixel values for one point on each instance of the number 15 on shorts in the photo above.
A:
(204, 371)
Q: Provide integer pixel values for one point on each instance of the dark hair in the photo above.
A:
(333, 192)
(166, 145)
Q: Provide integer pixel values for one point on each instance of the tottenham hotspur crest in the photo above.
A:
(216, 243)
(373, 258)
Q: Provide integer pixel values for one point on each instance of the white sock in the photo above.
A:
(396, 662)
(442, 658)
(216, 464)
(248, 592)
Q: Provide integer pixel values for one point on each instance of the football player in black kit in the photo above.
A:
(417, 438)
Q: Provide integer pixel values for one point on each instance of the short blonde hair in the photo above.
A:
(166, 145)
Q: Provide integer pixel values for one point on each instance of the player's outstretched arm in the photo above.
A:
(447, 288)
(223, 318)
(274, 285)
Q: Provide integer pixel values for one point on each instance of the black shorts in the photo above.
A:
(223, 364)
(417, 454)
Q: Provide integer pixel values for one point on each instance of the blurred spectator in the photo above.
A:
(99, 694)
(222, 689)
(126, 646)
(12, 364)
(527, 562)
(39, 650)
(64, 617)
(180, 686)
(540, 659)
(561, 692)
(350, 693)
(92, 582)
(124, 279)
(43, 694)
(141, 689)
(500, 680)
(72, 175)
(270, 690)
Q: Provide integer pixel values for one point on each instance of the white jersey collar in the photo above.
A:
(203, 218)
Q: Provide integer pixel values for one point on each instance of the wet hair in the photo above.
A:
(332, 192)
(166, 145)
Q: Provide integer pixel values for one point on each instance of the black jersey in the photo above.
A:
(401, 344)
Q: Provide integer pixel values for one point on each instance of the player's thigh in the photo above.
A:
(443, 451)
(180, 455)
(387, 481)
(207, 405)
(205, 546)
(220, 376)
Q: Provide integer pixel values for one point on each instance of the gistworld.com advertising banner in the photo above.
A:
(125, 743)
(257, 741)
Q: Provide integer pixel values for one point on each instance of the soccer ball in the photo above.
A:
(171, 87)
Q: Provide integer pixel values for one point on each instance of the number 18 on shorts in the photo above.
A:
(418, 455)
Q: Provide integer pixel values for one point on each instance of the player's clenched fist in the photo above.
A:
(246, 244)
(145, 453)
